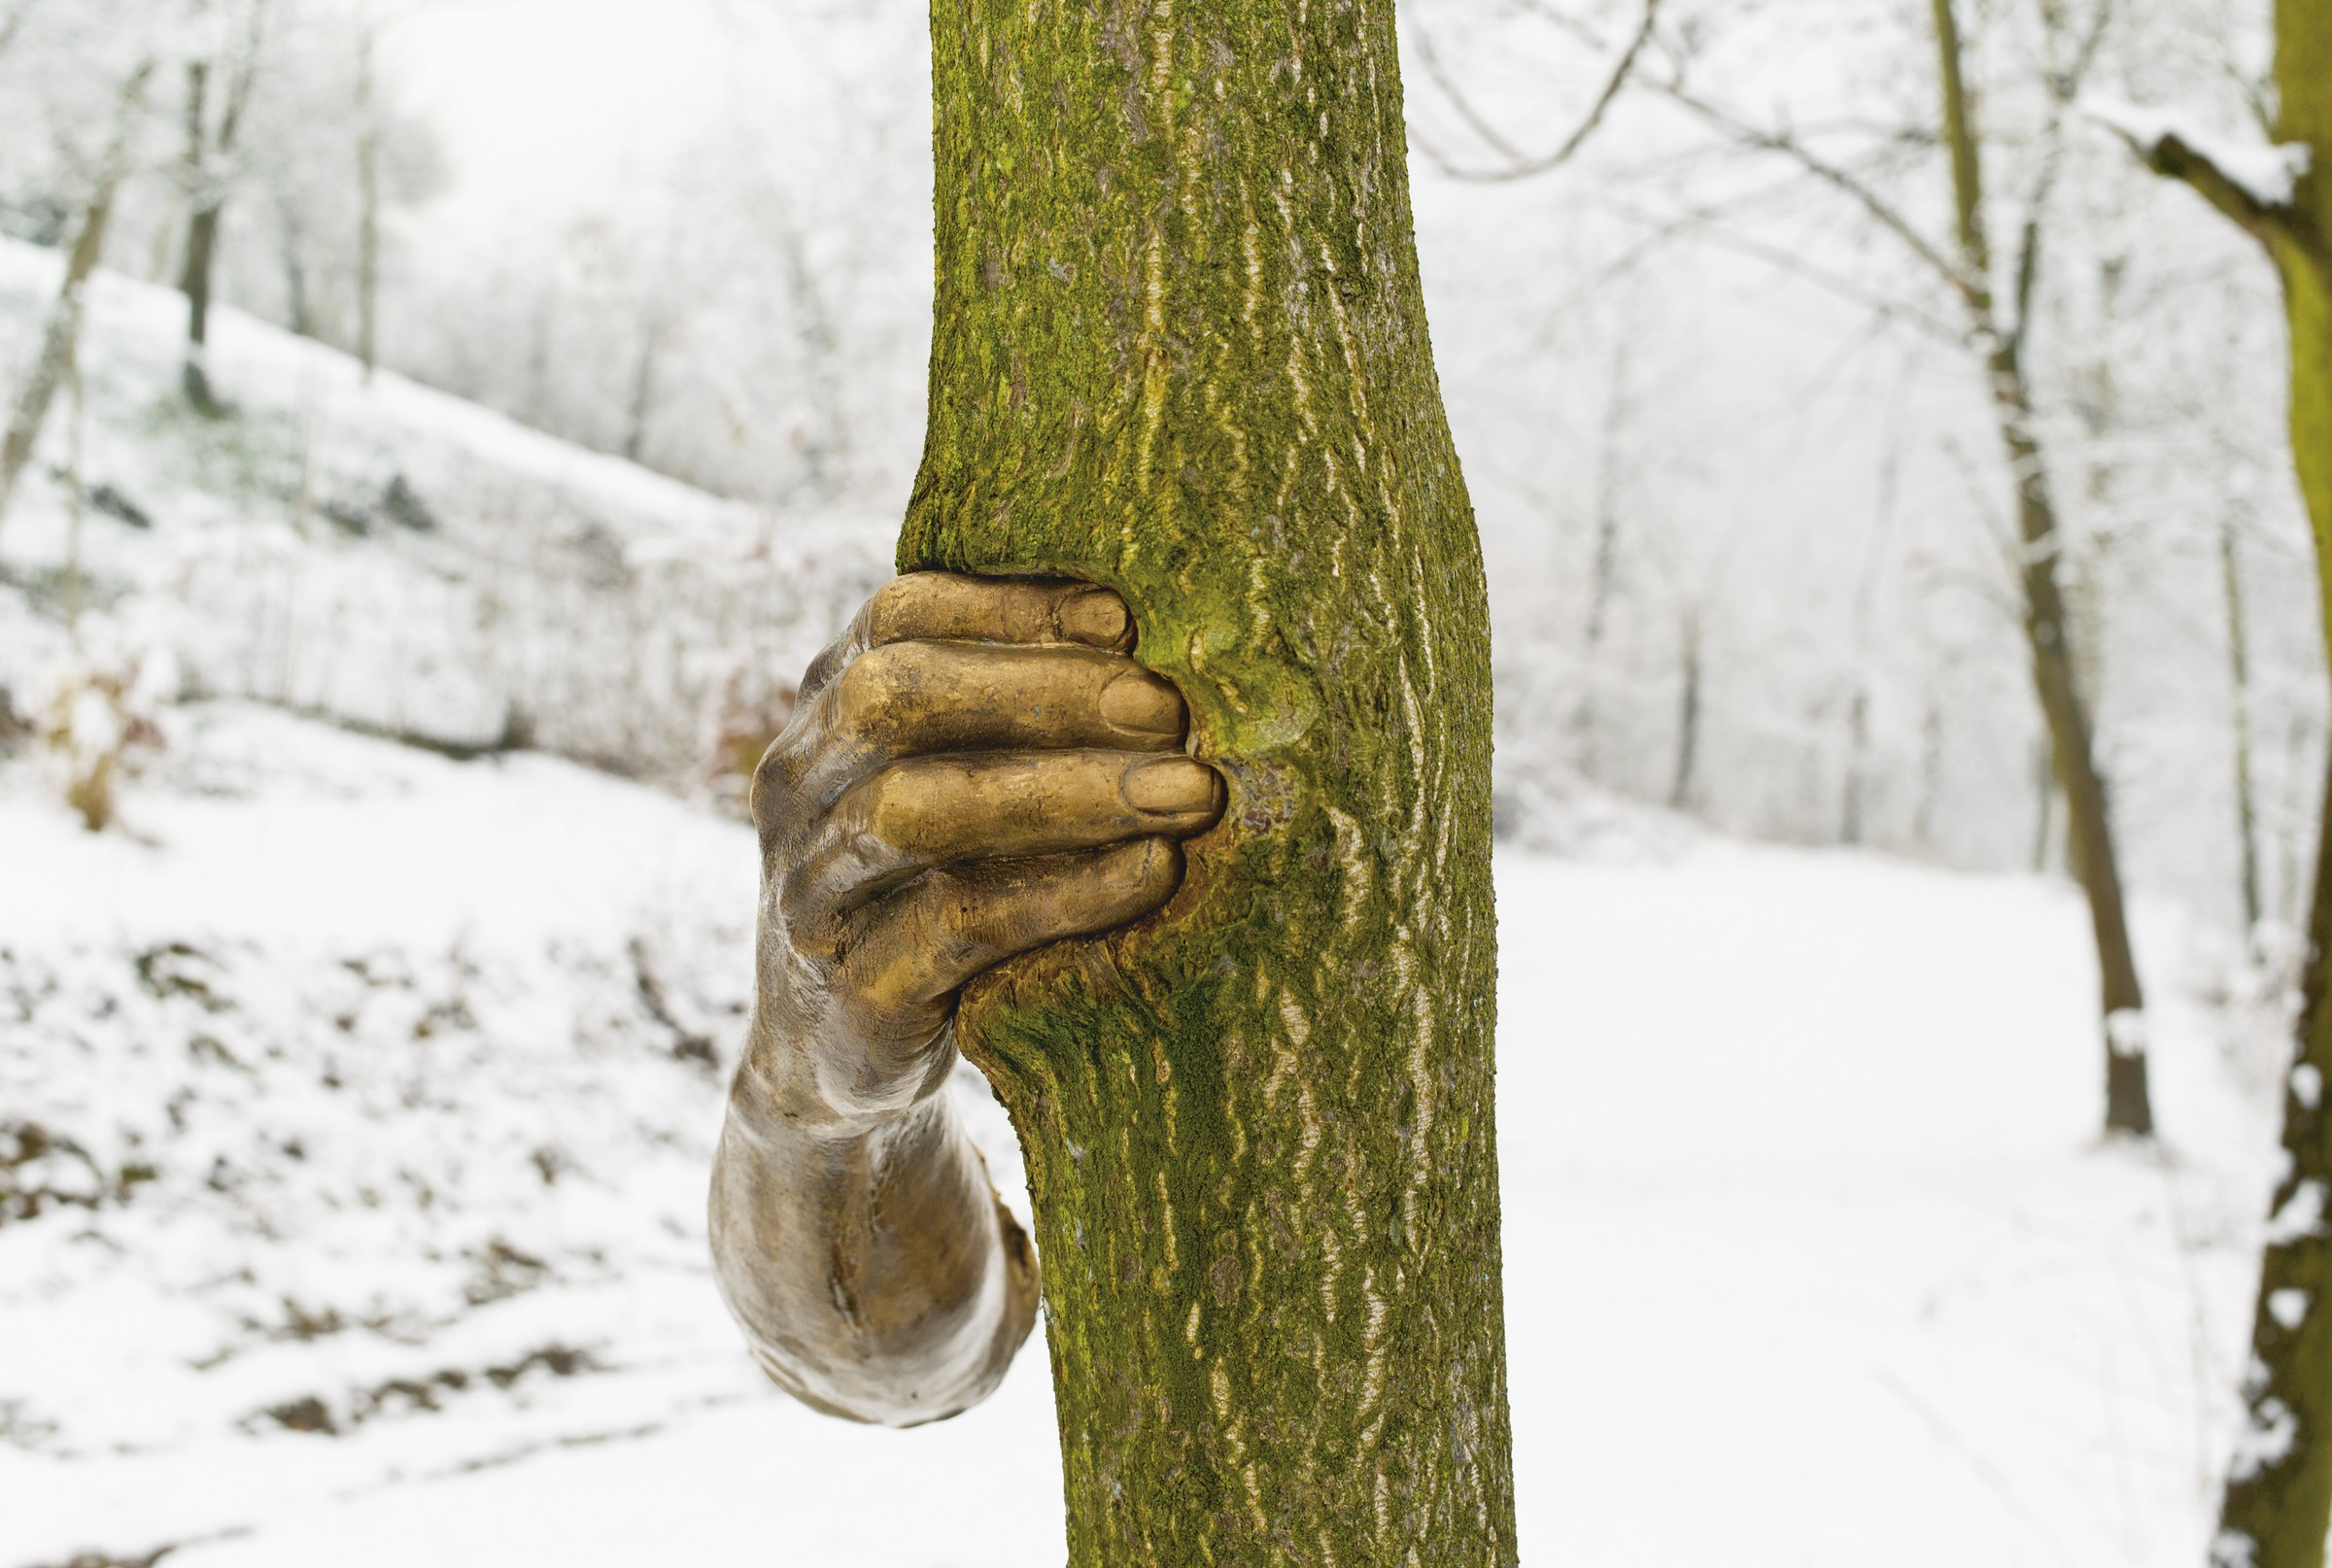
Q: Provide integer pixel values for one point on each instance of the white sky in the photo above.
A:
(541, 103)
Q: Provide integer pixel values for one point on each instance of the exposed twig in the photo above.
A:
(1785, 145)
(1520, 165)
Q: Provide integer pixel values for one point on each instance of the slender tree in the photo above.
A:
(1983, 307)
(2277, 1504)
(1180, 349)
(60, 338)
(210, 145)
(1998, 329)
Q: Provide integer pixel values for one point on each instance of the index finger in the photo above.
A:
(945, 606)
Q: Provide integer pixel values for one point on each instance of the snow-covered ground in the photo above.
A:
(384, 553)
(356, 1102)
(378, 1089)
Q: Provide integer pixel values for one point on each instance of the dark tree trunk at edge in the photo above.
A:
(2277, 1505)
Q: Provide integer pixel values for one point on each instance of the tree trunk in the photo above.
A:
(2277, 1505)
(642, 404)
(1180, 349)
(1687, 710)
(202, 238)
(300, 314)
(2239, 672)
(368, 204)
(2048, 630)
(60, 339)
(202, 231)
(1603, 580)
(1858, 762)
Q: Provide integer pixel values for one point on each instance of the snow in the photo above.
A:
(1802, 1202)
(356, 1103)
(2269, 173)
(374, 550)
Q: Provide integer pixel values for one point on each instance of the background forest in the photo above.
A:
(478, 411)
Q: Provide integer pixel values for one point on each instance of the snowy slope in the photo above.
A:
(385, 552)
(1810, 1259)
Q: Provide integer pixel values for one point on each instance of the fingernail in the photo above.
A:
(1169, 786)
(1096, 616)
(1142, 705)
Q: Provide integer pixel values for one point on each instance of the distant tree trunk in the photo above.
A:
(644, 388)
(826, 452)
(202, 233)
(206, 198)
(1604, 577)
(60, 338)
(1687, 708)
(202, 239)
(1180, 349)
(298, 309)
(2049, 629)
(1931, 771)
(368, 203)
(1851, 805)
(2238, 672)
(2277, 1505)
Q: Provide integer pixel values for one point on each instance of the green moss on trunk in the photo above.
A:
(1180, 349)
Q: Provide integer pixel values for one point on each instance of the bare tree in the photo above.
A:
(60, 338)
(1988, 318)
(210, 147)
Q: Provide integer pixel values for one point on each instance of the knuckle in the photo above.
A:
(888, 609)
(869, 687)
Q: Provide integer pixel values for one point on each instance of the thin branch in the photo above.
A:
(246, 74)
(2066, 89)
(2171, 156)
(1787, 145)
(1520, 165)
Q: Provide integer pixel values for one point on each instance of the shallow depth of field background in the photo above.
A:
(358, 1080)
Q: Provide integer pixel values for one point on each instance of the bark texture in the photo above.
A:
(1180, 349)
(2277, 1505)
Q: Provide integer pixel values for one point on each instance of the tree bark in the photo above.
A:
(60, 338)
(2047, 627)
(1180, 349)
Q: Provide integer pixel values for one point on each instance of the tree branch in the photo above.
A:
(1968, 288)
(1520, 165)
(2175, 158)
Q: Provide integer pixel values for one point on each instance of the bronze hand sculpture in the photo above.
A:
(978, 768)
